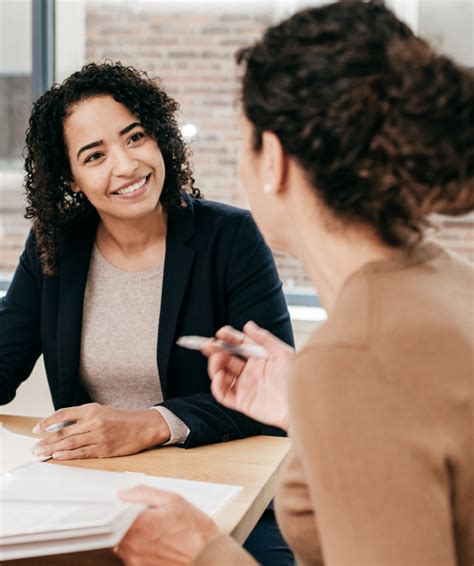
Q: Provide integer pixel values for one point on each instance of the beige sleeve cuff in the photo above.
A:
(223, 549)
(179, 430)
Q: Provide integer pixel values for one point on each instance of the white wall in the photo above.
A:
(32, 397)
(449, 27)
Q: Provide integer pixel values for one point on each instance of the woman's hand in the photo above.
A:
(171, 532)
(101, 432)
(254, 387)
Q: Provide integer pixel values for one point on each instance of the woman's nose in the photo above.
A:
(124, 164)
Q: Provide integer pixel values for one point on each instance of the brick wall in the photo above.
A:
(193, 54)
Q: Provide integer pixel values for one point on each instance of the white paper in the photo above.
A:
(53, 509)
(55, 520)
(206, 496)
(15, 450)
(45, 481)
(75, 543)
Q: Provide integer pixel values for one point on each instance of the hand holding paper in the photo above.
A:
(54, 509)
(171, 531)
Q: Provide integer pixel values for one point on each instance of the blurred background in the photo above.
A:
(190, 45)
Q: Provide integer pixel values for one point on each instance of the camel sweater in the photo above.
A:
(381, 472)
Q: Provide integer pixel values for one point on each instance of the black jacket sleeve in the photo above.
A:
(20, 316)
(253, 292)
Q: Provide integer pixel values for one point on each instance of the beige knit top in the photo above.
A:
(118, 364)
(381, 472)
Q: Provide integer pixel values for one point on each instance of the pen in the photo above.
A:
(241, 350)
(59, 426)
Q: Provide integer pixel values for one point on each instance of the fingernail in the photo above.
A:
(39, 451)
(36, 429)
(57, 455)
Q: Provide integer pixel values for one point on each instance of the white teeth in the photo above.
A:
(132, 188)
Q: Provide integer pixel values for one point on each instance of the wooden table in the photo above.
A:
(252, 463)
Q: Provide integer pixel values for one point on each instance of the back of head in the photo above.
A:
(382, 125)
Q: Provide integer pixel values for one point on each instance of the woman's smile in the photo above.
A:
(133, 188)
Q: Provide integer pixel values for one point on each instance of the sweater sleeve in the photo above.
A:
(224, 550)
(373, 468)
(179, 431)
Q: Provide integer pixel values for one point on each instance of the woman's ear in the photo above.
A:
(74, 187)
(274, 163)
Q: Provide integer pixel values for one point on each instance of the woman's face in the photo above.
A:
(113, 161)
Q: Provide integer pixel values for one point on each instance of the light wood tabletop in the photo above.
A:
(252, 463)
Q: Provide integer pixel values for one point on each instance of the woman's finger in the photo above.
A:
(211, 347)
(150, 496)
(222, 388)
(223, 361)
(72, 442)
(91, 451)
(54, 437)
(231, 335)
(62, 415)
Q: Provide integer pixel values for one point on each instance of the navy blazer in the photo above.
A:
(218, 270)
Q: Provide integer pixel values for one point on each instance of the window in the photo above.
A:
(15, 104)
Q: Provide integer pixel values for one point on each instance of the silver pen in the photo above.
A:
(59, 426)
(242, 350)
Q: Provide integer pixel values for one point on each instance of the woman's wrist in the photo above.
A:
(156, 430)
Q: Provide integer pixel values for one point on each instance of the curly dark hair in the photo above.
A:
(382, 125)
(52, 205)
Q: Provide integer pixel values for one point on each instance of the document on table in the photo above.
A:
(46, 482)
(54, 509)
(15, 450)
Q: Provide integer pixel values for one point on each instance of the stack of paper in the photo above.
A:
(48, 509)
(16, 450)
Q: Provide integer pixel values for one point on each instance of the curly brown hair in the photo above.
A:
(382, 125)
(51, 203)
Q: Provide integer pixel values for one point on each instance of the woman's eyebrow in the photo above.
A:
(100, 142)
(130, 127)
(89, 146)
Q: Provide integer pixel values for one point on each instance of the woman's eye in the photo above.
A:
(93, 157)
(137, 136)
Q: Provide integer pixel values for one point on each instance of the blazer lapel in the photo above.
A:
(74, 267)
(178, 263)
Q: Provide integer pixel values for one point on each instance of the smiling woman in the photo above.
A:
(125, 257)
(91, 126)
(121, 173)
